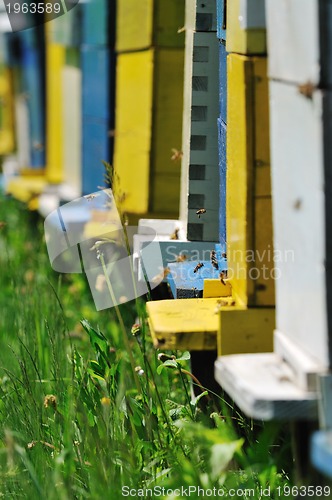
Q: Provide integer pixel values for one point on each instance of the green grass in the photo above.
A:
(86, 406)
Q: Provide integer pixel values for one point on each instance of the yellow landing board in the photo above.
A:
(148, 125)
(146, 23)
(55, 60)
(245, 330)
(27, 189)
(184, 324)
(215, 288)
(248, 203)
(251, 41)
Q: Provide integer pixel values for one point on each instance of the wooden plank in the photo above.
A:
(221, 19)
(294, 46)
(299, 217)
(248, 204)
(240, 178)
(72, 122)
(304, 366)
(261, 385)
(201, 15)
(66, 29)
(26, 189)
(216, 288)
(55, 59)
(133, 127)
(154, 184)
(245, 330)
(98, 16)
(95, 150)
(321, 452)
(266, 272)
(32, 76)
(184, 324)
(252, 14)
(222, 129)
(149, 23)
(167, 131)
(96, 69)
(200, 137)
(21, 120)
(160, 227)
(239, 40)
(6, 111)
(223, 82)
(97, 72)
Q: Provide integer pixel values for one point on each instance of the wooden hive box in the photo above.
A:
(150, 54)
(244, 36)
(249, 208)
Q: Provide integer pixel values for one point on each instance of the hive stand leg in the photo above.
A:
(202, 367)
(304, 472)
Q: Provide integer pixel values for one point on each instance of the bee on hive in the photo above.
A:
(175, 235)
(214, 261)
(223, 277)
(200, 212)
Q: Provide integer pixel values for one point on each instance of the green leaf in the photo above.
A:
(222, 454)
(168, 362)
(194, 401)
(185, 356)
(97, 339)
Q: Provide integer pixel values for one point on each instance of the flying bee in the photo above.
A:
(200, 212)
(199, 265)
(90, 197)
(224, 255)
(175, 235)
(220, 304)
(223, 277)
(214, 261)
(181, 258)
(176, 154)
(162, 275)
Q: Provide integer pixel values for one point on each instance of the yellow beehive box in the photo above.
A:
(6, 112)
(244, 330)
(184, 324)
(240, 40)
(149, 23)
(149, 106)
(248, 204)
(55, 61)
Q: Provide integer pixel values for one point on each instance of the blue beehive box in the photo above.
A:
(221, 19)
(222, 170)
(97, 18)
(95, 150)
(33, 84)
(223, 82)
(96, 81)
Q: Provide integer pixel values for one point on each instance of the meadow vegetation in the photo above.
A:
(86, 405)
